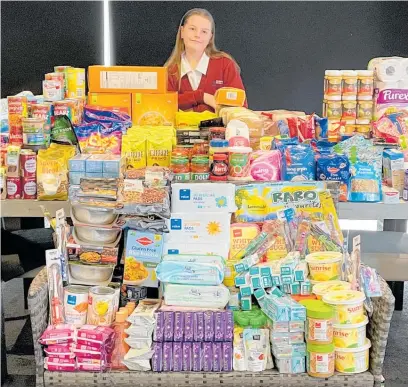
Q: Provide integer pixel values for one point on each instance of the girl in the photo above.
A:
(196, 67)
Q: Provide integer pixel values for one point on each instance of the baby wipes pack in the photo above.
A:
(196, 296)
(190, 273)
(194, 227)
(196, 258)
(203, 197)
(218, 249)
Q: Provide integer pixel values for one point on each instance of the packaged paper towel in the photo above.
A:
(196, 258)
(379, 85)
(194, 227)
(203, 197)
(196, 296)
(175, 247)
(190, 273)
(391, 69)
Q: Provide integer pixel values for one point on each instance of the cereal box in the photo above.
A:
(143, 253)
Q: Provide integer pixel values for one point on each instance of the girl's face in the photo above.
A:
(196, 33)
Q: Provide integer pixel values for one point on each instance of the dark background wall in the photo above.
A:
(38, 35)
(283, 48)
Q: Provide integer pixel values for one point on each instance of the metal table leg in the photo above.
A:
(4, 372)
(397, 287)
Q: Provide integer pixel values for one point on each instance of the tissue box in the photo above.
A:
(199, 228)
(112, 165)
(203, 197)
(75, 177)
(77, 163)
(94, 164)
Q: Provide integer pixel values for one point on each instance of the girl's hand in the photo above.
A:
(209, 100)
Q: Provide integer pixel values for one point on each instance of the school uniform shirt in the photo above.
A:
(209, 75)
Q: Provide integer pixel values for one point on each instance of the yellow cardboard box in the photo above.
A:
(230, 96)
(127, 79)
(122, 101)
(154, 109)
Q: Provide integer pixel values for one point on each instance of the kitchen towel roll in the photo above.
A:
(403, 84)
(389, 70)
(404, 64)
(386, 85)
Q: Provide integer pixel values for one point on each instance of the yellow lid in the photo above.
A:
(324, 257)
(344, 297)
(322, 288)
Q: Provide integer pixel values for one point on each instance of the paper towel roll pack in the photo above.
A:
(391, 69)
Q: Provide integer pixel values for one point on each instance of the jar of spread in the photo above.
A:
(180, 166)
(365, 84)
(320, 360)
(365, 109)
(332, 109)
(219, 167)
(349, 111)
(349, 85)
(332, 83)
(319, 322)
(217, 146)
(217, 133)
(200, 169)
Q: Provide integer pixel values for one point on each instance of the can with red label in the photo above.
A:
(28, 163)
(29, 188)
(16, 134)
(13, 188)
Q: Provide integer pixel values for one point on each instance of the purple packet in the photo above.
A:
(217, 357)
(168, 326)
(227, 356)
(219, 326)
(187, 356)
(159, 329)
(198, 326)
(197, 357)
(157, 358)
(188, 326)
(229, 325)
(167, 357)
(177, 357)
(178, 326)
(208, 326)
(207, 357)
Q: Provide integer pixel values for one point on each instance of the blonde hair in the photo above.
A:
(211, 50)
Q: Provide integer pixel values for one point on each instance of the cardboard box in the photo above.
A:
(127, 79)
(120, 101)
(154, 109)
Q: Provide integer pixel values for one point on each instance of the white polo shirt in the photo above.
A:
(194, 76)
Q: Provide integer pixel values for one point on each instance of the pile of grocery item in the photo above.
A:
(233, 258)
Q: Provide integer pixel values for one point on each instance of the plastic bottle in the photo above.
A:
(120, 348)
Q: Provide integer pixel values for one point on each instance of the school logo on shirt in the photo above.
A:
(218, 82)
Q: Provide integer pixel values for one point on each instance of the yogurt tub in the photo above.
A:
(348, 306)
(321, 288)
(350, 335)
(353, 360)
(324, 266)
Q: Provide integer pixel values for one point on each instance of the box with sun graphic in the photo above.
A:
(196, 227)
(203, 197)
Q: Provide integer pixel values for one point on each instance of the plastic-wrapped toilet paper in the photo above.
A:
(389, 70)
(386, 85)
(404, 64)
(403, 84)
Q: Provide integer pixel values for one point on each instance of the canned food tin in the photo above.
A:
(101, 305)
(13, 188)
(44, 112)
(132, 293)
(28, 163)
(29, 188)
(76, 304)
(33, 131)
(16, 134)
(65, 108)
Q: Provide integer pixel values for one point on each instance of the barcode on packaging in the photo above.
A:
(232, 95)
(128, 80)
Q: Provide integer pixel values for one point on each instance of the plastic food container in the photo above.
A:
(324, 266)
(350, 335)
(353, 360)
(97, 235)
(90, 274)
(93, 215)
(320, 360)
(349, 306)
(321, 288)
(319, 322)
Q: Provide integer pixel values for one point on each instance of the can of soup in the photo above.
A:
(76, 304)
(101, 305)
(28, 163)
(29, 188)
(13, 188)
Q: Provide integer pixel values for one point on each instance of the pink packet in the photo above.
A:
(86, 354)
(266, 167)
(95, 334)
(59, 351)
(92, 365)
(58, 334)
(56, 364)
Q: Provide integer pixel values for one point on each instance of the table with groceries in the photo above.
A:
(205, 248)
